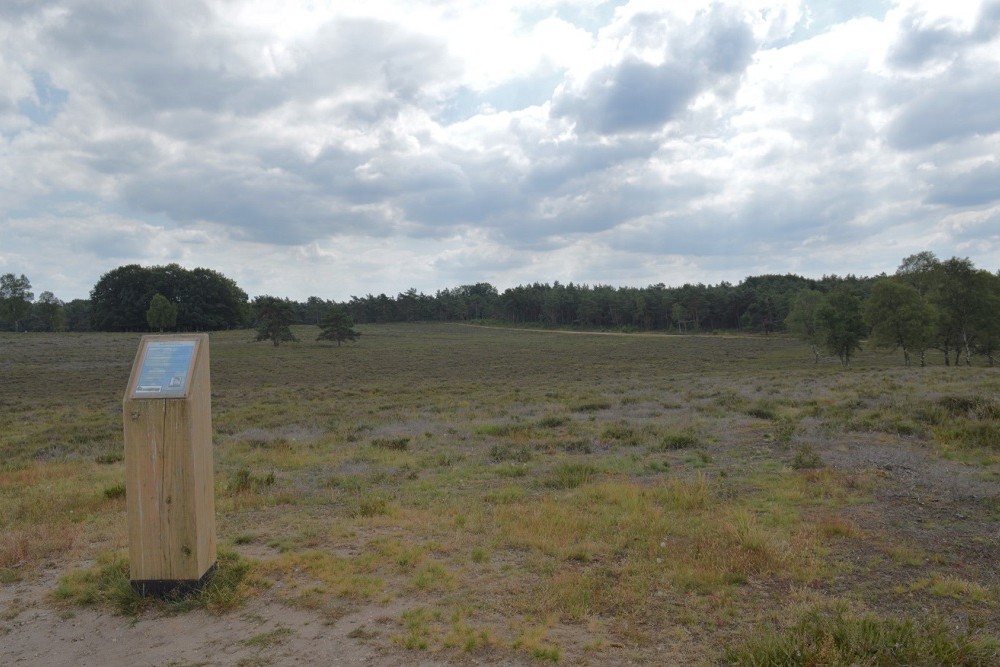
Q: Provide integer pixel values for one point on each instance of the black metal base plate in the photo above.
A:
(172, 588)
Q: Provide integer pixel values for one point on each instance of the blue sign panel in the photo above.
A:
(166, 368)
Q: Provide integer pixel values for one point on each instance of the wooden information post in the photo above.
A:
(169, 482)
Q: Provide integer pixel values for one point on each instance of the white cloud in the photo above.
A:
(328, 148)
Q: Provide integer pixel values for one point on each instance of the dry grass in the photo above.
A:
(551, 497)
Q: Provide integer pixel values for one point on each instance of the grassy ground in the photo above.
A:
(546, 496)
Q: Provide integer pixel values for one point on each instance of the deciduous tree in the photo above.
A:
(900, 318)
(15, 298)
(839, 324)
(964, 296)
(206, 300)
(162, 314)
(801, 320)
(47, 313)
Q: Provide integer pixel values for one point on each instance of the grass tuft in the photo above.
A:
(107, 584)
(834, 636)
(678, 440)
(570, 475)
(115, 491)
(242, 480)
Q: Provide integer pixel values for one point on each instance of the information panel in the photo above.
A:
(165, 370)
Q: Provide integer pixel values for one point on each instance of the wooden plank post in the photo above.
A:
(169, 481)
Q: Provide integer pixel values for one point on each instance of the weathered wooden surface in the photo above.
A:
(170, 489)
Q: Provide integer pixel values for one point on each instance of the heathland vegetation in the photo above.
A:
(445, 493)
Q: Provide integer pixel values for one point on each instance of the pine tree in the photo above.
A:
(274, 316)
(337, 325)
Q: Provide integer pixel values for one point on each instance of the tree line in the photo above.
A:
(949, 306)
(928, 304)
(123, 300)
(757, 304)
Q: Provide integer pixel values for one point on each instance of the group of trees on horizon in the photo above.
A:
(928, 304)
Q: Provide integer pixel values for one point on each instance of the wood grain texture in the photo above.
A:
(169, 479)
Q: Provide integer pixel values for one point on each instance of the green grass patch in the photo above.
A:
(270, 639)
(834, 636)
(243, 480)
(570, 475)
(115, 491)
(675, 440)
(107, 584)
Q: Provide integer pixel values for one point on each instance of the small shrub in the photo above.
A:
(371, 504)
(620, 433)
(762, 411)
(552, 421)
(785, 429)
(576, 447)
(678, 440)
(806, 458)
(507, 452)
(729, 400)
(967, 433)
(977, 407)
(591, 406)
(394, 444)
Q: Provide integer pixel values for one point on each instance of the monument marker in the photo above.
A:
(169, 481)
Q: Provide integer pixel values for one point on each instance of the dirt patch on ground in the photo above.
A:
(263, 632)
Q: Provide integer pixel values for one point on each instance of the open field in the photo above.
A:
(439, 493)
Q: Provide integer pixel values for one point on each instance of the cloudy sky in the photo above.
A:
(316, 147)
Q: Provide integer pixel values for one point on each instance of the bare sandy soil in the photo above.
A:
(263, 632)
